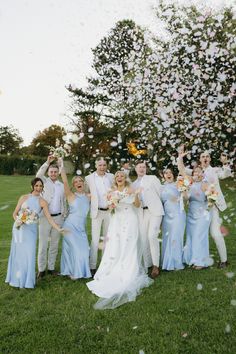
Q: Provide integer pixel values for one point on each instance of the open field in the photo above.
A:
(170, 317)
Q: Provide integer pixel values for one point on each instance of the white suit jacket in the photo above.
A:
(48, 190)
(152, 194)
(212, 176)
(90, 181)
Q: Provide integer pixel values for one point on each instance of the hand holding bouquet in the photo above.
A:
(183, 183)
(212, 195)
(59, 151)
(26, 216)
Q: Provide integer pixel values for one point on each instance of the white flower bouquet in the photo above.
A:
(212, 196)
(59, 151)
(183, 183)
(113, 199)
(26, 216)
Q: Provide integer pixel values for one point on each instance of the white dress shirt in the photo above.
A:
(102, 186)
(55, 203)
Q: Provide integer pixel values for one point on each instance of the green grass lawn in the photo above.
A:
(172, 316)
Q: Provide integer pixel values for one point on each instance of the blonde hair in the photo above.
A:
(74, 178)
(127, 180)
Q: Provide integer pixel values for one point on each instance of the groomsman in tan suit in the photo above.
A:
(53, 193)
(150, 216)
(99, 183)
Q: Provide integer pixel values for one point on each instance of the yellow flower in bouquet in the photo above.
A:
(183, 183)
(26, 216)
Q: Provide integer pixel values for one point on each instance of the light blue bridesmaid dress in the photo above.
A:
(75, 247)
(196, 250)
(21, 263)
(173, 226)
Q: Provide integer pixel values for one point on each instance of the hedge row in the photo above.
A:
(22, 165)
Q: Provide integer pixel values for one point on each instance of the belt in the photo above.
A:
(56, 214)
(104, 209)
(145, 207)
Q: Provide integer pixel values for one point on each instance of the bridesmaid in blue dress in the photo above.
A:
(173, 224)
(75, 246)
(196, 250)
(21, 263)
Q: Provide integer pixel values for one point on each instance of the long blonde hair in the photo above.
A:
(127, 180)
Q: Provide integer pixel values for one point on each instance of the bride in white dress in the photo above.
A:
(120, 275)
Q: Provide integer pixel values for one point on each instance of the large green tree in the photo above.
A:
(48, 137)
(10, 140)
(114, 93)
(163, 92)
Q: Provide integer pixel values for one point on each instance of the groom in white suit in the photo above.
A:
(150, 216)
(212, 176)
(99, 183)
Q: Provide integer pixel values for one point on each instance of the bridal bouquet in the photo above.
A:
(26, 216)
(212, 196)
(183, 183)
(59, 151)
(113, 199)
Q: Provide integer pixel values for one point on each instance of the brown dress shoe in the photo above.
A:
(40, 275)
(222, 265)
(155, 272)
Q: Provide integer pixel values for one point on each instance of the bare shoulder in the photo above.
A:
(42, 202)
(23, 198)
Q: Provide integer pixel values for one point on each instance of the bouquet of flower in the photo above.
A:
(26, 216)
(183, 183)
(212, 196)
(59, 151)
(113, 199)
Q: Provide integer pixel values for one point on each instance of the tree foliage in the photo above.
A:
(10, 140)
(44, 139)
(161, 92)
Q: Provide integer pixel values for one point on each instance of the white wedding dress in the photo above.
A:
(120, 276)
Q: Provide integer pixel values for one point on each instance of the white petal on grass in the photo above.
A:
(230, 274)
(199, 286)
(227, 328)
(4, 207)
(214, 289)
(233, 302)
(141, 351)
(135, 327)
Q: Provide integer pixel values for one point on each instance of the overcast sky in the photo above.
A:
(46, 45)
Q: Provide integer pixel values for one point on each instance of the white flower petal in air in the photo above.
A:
(114, 143)
(79, 172)
(75, 138)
